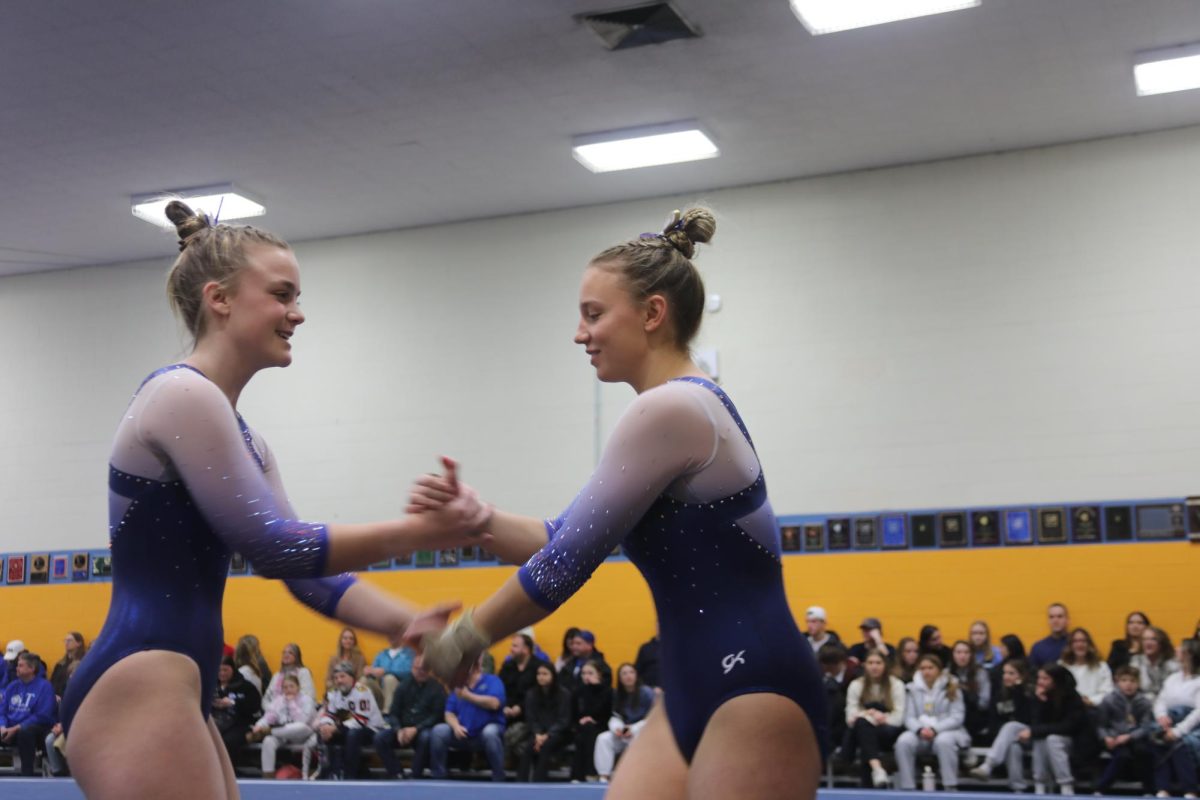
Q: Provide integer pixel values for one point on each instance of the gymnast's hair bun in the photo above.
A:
(692, 227)
(187, 222)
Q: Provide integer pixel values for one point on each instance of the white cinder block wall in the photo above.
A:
(1003, 329)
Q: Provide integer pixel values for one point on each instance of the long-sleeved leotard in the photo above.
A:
(680, 487)
(189, 484)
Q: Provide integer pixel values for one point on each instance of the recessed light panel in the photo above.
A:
(830, 16)
(224, 202)
(1176, 69)
(643, 147)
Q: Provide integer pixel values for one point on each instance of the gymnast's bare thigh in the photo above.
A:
(140, 733)
(754, 746)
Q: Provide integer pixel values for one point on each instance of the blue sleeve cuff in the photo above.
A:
(531, 589)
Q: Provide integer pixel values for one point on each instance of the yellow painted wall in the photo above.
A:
(1009, 587)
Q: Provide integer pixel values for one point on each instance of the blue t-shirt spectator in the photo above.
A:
(471, 716)
(397, 662)
(1047, 651)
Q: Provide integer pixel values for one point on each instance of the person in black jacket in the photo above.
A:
(591, 706)
(1060, 724)
(548, 716)
(1124, 649)
(417, 705)
(1009, 715)
(519, 675)
(235, 707)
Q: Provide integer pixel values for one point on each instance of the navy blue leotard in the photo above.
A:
(190, 483)
(697, 522)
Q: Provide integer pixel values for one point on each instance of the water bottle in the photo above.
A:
(928, 780)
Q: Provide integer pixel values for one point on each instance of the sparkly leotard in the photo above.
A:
(680, 486)
(189, 484)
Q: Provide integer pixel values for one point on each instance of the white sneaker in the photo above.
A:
(1039, 788)
(1067, 789)
(983, 771)
(879, 778)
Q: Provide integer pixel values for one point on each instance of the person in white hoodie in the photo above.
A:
(933, 719)
(286, 721)
(1093, 677)
(874, 716)
(1177, 711)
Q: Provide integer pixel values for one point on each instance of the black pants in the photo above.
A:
(1175, 758)
(345, 750)
(540, 761)
(869, 741)
(1128, 755)
(585, 744)
(28, 741)
(234, 739)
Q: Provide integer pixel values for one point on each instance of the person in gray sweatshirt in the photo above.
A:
(1123, 719)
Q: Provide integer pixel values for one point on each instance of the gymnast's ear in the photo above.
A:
(654, 313)
(216, 299)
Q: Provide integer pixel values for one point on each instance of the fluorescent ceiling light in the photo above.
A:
(1174, 69)
(830, 16)
(224, 202)
(643, 147)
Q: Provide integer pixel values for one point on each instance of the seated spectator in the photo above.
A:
(1059, 727)
(1124, 718)
(236, 705)
(28, 711)
(1122, 650)
(248, 658)
(287, 720)
(1093, 679)
(347, 651)
(874, 717)
(646, 662)
(418, 704)
(1009, 716)
(583, 650)
(836, 677)
(1154, 663)
(1049, 650)
(75, 650)
(591, 706)
(631, 704)
(976, 686)
(566, 656)
(933, 721)
(872, 639)
(392, 665)
(538, 652)
(349, 718)
(519, 675)
(1177, 710)
(291, 662)
(474, 720)
(986, 654)
(1011, 648)
(815, 629)
(930, 642)
(548, 715)
(907, 653)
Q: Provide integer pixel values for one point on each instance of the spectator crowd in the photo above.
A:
(922, 711)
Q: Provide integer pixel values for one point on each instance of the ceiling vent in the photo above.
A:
(648, 23)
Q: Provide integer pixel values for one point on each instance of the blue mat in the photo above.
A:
(62, 789)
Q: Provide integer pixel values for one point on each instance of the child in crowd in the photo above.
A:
(1124, 717)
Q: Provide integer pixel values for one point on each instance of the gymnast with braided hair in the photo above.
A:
(189, 484)
(680, 487)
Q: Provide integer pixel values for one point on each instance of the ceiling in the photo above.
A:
(348, 116)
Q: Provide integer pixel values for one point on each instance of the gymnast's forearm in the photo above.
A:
(515, 538)
(507, 611)
(365, 606)
(356, 546)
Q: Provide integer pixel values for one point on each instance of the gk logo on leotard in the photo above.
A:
(732, 660)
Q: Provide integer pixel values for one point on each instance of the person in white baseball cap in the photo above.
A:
(817, 635)
(14, 649)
